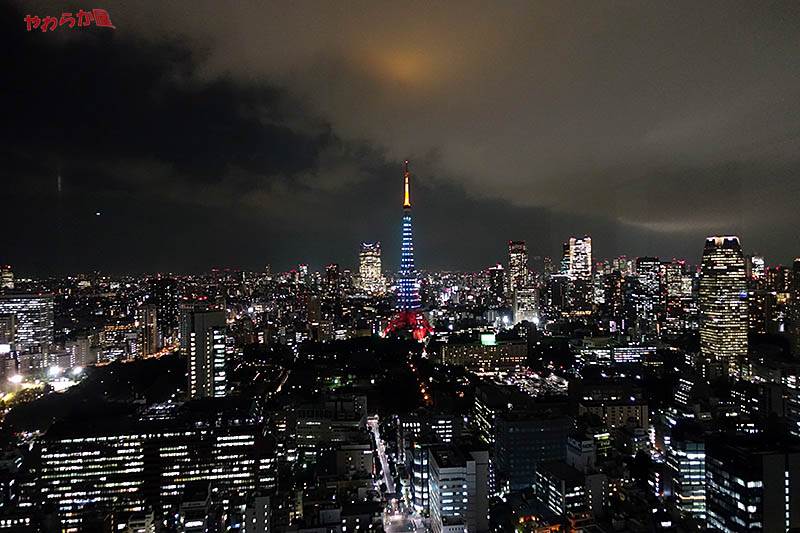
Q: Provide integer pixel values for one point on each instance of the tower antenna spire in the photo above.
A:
(407, 198)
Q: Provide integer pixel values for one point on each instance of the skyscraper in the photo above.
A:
(623, 265)
(6, 277)
(676, 288)
(752, 484)
(524, 294)
(163, 294)
(332, 279)
(8, 329)
(672, 279)
(576, 265)
(647, 296)
(302, 272)
(497, 292)
(33, 316)
(149, 341)
(686, 463)
(563, 268)
(580, 258)
(207, 356)
(517, 265)
(408, 316)
(369, 270)
(794, 308)
(125, 462)
(723, 303)
(458, 489)
(754, 266)
(526, 304)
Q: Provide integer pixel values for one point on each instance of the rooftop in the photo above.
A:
(561, 470)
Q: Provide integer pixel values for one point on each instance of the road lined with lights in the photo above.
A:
(395, 517)
(373, 425)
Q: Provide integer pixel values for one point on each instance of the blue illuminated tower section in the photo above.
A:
(408, 290)
(409, 318)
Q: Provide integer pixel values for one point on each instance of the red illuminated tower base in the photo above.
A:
(413, 321)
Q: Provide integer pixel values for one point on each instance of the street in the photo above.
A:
(396, 520)
(387, 475)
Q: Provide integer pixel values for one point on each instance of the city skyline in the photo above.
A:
(400, 267)
(354, 265)
(611, 141)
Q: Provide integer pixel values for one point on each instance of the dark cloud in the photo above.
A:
(248, 133)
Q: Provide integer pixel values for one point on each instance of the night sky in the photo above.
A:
(211, 134)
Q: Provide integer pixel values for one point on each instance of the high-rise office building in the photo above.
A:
(497, 288)
(723, 303)
(207, 354)
(149, 338)
(647, 297)
(369, 269)
(612, 295)
(754, 266)
(124, 464)
(8, 329)
(563, 267)
(33, 315)
(672, 279)
(458, 489)
(580, 258)
(577, 268)
(524, 439)
(302, 272)
(314, 310)
(333, 418)
(752, 485)
(186, 309)
(491, 400)
(526, 304)
(758, 266)
(778, 278)
(548, 266)
(163, 294)
(517, 265)
(81, 351)
(794, 309)
(6, 277)
(417, 465)
(346, 280)
(622, 264)
(257, 514)
(765, 311)
(677, 294)
(561, 488)
(195, 515)
(686, 461)
(332, 279)
(580, 296)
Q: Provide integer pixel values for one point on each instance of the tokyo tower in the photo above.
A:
(408, 317)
